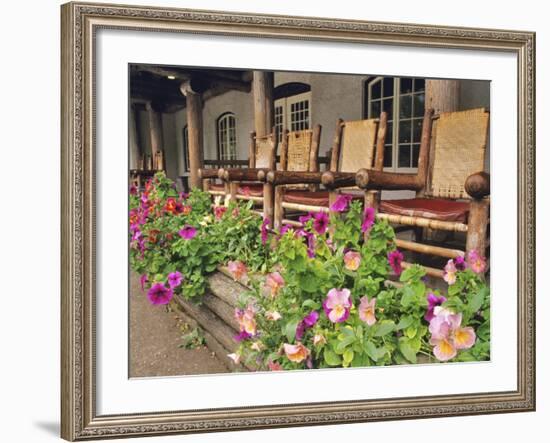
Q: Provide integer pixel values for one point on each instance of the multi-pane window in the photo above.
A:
(299, 115)
(185, 139)
(293, 113)
(403, 100)
(227, 137)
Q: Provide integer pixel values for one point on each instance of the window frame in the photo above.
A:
(226, 116)
(395, 117)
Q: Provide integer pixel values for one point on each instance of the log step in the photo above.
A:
(222, 310)
(225, 288)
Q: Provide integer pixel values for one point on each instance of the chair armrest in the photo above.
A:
(381, 180)
(239, 174)
(478, 185)
(293, 177)
(333, 180)
(208, 173)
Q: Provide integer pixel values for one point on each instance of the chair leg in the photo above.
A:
(268, 203)
(278, 210)
(476, 239)
(233, 187)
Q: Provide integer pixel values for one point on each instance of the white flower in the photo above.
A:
(235, 357)
(217, 200)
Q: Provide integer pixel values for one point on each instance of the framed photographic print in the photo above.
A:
(282, 221)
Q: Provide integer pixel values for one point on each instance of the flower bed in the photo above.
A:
(331, 294)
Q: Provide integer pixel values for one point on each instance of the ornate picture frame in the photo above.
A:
(80, 22)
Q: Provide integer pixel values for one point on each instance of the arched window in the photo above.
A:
(292, 107)
(227, 137)
(403, 100)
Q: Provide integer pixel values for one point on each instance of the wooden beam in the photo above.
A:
(155, 129)
(194, 128)
(263, 102)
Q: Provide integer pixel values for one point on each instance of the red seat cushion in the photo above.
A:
(216, 186)
(252, 189)
(314, 198)
(433, 208)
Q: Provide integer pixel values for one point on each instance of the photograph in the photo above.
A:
(290, 220)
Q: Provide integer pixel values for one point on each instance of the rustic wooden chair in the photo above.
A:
(299, 152)
(452, 189)
(357, 144)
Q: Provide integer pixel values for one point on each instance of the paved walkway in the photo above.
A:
(155, 336)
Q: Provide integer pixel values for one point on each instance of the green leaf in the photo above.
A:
(405, 322)
(348, 356)
(309, 283)
(477, 300)
(411, 331)
(344, 343)
(309, 303)
(290, 329)
(331, 358)
(374, 352)
(407, 349)
(384, 328)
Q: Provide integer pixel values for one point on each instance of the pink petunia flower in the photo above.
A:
(188, 232)
(369, 216)
(337, 305)
(159, 294)
(175, 279)
(447, 334)
(352, 260)
(395, 258)
(477, 262)
(320, 222)
(296, 353)
(366, 310)
(449, 272)
(319, 339)
(235, 357)
(237, 269)
(341, 203)
(274, 282)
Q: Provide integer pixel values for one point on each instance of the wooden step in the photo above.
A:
(225, 288)
(221, 309)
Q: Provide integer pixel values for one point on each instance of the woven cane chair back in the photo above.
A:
(357, 147)
(264, 152)
(459, 147)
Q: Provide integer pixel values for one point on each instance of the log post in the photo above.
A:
(194, 128)
(233, 188)
(476, 239)
(268, 203)
(134, 139)
(155, 130)
(262, 86)
(443, 95)
(278, 210)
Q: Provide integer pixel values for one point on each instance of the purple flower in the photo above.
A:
(395, 258)
(159, 294)
(320, 222)
(341, 203)
(433, 301)
(285, 229)
(307, 322)
(265, 225)
(311, 246)
(460, 263)
(175, 279)
(133, 189)
(303, 219)
(243, 335)
(188, 232)
(142, 280)
(369, 215)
